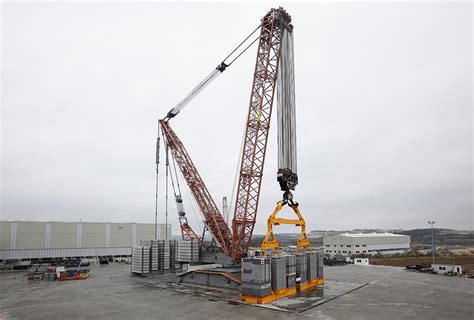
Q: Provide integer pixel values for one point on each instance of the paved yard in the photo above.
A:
(111, 293)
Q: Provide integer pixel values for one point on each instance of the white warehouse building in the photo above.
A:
(38, 240)
(348, 244)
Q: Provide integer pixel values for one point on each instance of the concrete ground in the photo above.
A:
(111, 293)
(394, 293)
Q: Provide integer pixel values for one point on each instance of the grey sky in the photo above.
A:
(384, 109)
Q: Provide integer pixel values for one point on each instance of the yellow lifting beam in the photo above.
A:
(270, 242)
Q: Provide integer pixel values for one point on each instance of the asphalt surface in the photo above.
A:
(111, 293)
(394, 293)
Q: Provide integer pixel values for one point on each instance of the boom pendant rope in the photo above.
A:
(157, 161)
(245, 40)
(214, 74)
(187, 233)
(166, 205)
(176, 175)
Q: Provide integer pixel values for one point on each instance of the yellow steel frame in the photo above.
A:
(267, 299)
(270, 242)
(282, 293)
(310, 284)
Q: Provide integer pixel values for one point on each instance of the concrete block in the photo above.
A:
(278, 276)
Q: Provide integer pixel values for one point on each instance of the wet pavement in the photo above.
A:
(356, 292)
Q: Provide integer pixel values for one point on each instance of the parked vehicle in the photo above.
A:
(74, 274)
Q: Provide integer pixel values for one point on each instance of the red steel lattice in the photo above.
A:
(256, 135)
(212, 216)
(188, 233)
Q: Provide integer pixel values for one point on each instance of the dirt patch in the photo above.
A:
(465, 261)
(463, 252)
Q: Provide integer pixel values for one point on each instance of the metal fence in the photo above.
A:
(21, 254)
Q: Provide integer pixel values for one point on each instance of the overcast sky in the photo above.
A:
(383, 94)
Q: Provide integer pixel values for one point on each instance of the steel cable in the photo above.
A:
(286, 107)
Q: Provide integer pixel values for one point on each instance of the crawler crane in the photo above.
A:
(273, 80)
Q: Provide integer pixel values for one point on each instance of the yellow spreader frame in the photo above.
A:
(270, 242)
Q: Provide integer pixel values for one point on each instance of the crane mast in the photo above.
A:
(257, 129)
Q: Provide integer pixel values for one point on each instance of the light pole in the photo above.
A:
(432, 239)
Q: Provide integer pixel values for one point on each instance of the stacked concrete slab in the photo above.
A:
(163, 255)
(141, 260)
(290, 271)
(154, 256)
(256, 276)
(50, 275)
(188, 251)
(320, 264)
(174, 264)
(278, 276)
(153, 244)
(301, 267)
(312, 265)
(37, 271)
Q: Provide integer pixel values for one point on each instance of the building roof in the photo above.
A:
(371, 235)
(80, 221)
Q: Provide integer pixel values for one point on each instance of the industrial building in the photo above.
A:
(366, 243)
(52, 239)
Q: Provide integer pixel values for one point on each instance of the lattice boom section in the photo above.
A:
(258, 125)
(212, 216)
(188, 233)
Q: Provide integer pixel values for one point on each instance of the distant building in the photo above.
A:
(366, 243)
(37, 240)
(445, 268)
(361, 261)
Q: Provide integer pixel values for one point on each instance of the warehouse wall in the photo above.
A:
(5, 228)
(347, 245)
(93, 235)
(63, 235)
(30, 235)
(57, 235)
(120, 235)
(399, 239)
(145, 231)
